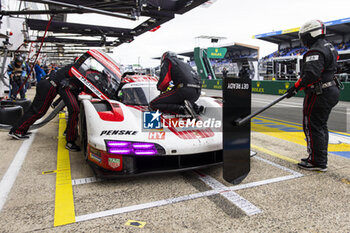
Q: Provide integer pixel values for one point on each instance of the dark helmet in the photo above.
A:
(167, 55)
(311, 31)
(18, 61)
(23, 55)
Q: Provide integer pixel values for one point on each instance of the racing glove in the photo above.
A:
(64, 83)
(292, 91)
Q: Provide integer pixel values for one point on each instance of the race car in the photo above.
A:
(121, 136)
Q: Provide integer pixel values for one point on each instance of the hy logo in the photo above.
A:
(258, 84)
(216, 50)
(151, 120)
(287, 85)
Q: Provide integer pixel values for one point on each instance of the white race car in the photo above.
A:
(121, 136)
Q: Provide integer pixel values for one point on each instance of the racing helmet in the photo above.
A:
(18, 61)
(167, 55)
(311, 31)
(23, 55)
(93, 74)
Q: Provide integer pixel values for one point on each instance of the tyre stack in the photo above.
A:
(12, 110)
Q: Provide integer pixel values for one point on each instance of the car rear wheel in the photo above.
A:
(10, 114)
(24, 103)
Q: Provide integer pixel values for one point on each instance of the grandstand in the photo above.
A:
(285, 63)
(236, 55)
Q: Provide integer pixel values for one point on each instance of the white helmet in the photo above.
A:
(310, 30)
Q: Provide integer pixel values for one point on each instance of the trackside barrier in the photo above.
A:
(272, 87)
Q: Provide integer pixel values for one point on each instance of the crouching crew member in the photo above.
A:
(321, 92)
(60, 83)
(185, 91)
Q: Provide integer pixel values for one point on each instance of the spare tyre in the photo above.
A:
(25, 103)
(10, 114)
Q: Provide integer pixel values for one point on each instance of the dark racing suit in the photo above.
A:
(319, 66)
(187, 86)
(47, 89)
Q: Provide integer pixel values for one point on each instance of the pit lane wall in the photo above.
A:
(272, 87)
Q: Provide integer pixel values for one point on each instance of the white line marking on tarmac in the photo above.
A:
(263, 182)
(222, 189)
(292, 105)
(178, 199)
(85, 180)
(11, 174)
(144, 206)
(231, 196)
(297, 174)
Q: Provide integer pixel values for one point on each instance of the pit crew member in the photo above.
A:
(321, 92)
(62, 83)
(184, 84)
(16, 71)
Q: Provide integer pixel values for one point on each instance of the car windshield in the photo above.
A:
(100, 76)
(132, 94)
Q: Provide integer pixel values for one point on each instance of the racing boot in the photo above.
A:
(18, 136)
(189, 109)
(71, 146)
(312, 167)
(28, 133)
(305, 159)
(200, 110)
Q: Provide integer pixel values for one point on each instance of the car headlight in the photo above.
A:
(133, 148)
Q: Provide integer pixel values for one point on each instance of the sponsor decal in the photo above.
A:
(283, 91)
(204, 85)
(312, 58)
(118, 132)
(88, 84)
(290, 30)
(258, 90)
(151, 120)
(238, 86)
(217, 86)
(193, 123)
(95, 158)
(156, 135)
(213, 52)
(113, 162)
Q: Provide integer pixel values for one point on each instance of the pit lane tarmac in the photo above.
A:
(55, 191)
